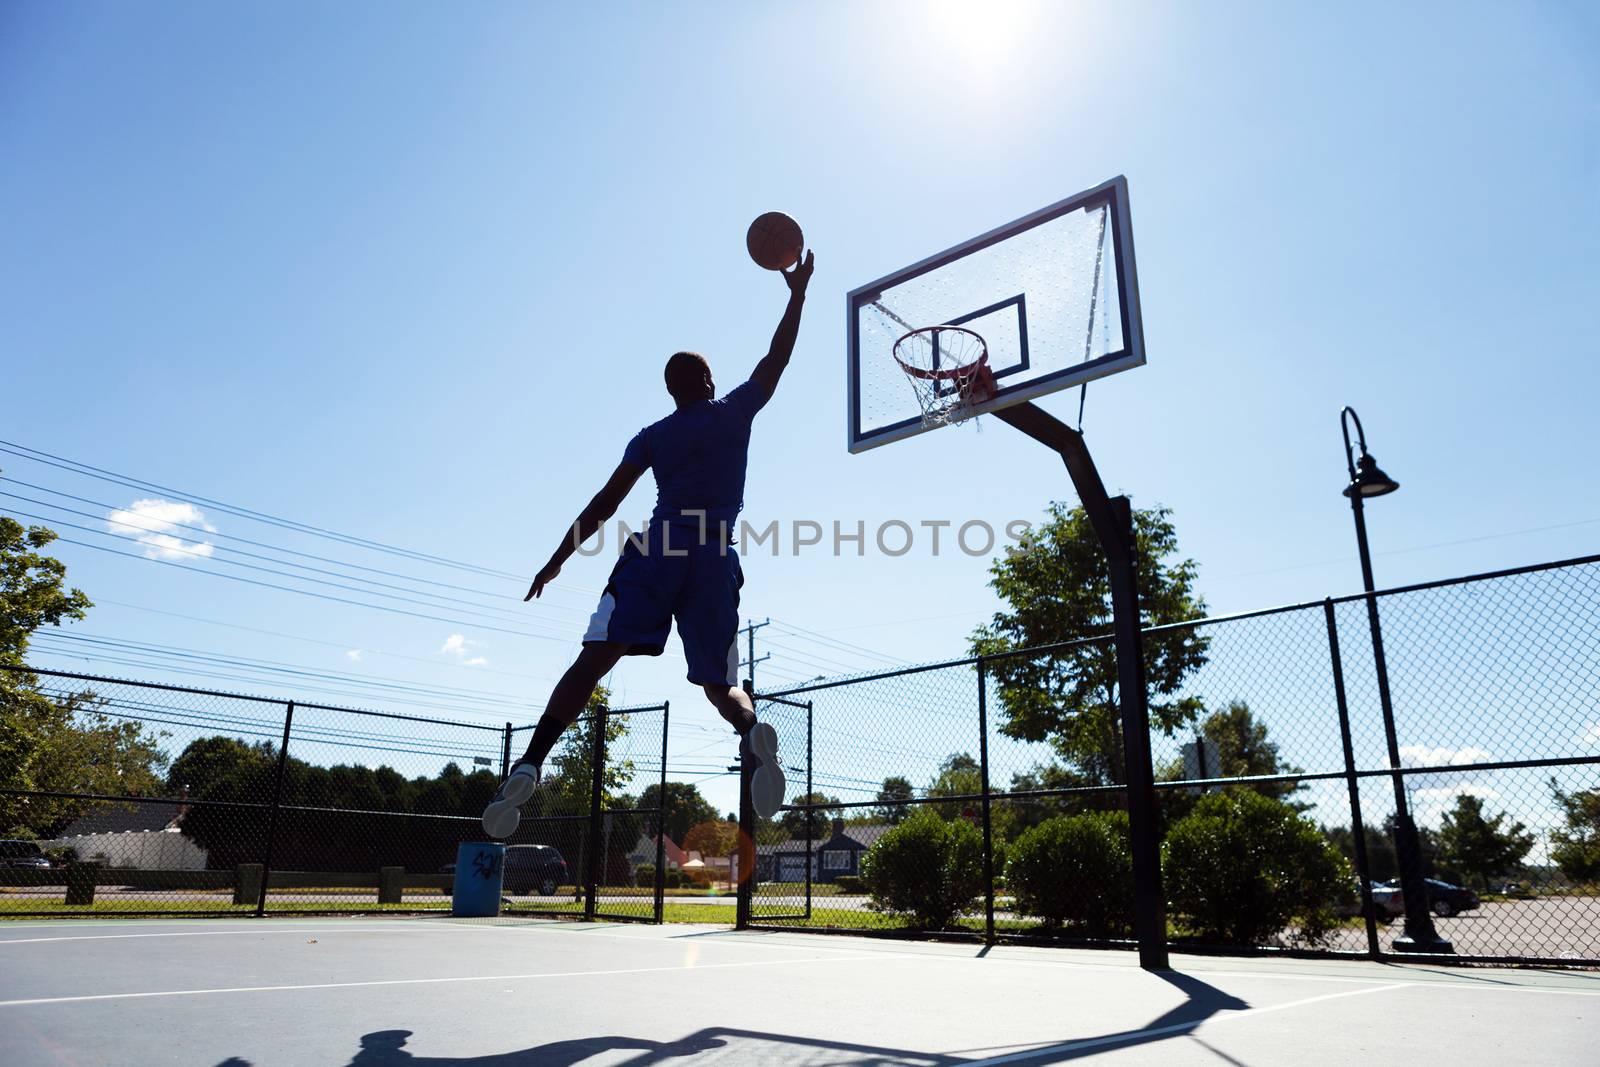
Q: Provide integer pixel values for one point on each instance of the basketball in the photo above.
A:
(774, 241)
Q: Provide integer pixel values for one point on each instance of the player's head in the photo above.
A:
(689, 378)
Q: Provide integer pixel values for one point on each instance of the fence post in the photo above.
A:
(809, 796)
(1358, 828)
(661, 822)
(505, 754)
(277, 802)
(988, 831)
(744, 896)
(596, 795)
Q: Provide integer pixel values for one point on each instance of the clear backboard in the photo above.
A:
(1053, 294)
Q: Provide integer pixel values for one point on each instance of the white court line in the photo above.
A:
(1133, 1036)
(761, 942)
(217, 933)
(420, 981)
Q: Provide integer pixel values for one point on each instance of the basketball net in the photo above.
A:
(948, 368)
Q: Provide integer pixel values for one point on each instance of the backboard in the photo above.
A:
(1054, 294)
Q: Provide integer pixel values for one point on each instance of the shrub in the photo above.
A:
(1075, 870)
(1242, 868)
(926, 869)
(644, 876)
(850, 883)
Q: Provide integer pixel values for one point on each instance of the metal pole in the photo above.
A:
(596, 797)
(988, 830)
(277, 802)
(1419, 934)
(743, 896)
(809, 797)
(661, 822)
(505, 753)
(1352, 783)
(1112, 520)
(1149, 898)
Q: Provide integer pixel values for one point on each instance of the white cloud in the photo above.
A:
(457, 645)
(354, 655)
(1423, 756)
(1591, 736)
(156, 524)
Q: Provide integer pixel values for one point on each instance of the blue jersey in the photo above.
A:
(698, 454)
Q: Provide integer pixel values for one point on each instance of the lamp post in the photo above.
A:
(1367, 480)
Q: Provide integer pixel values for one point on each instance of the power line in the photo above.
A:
(197, 554)
(173, 524)
(88, 470)
(319, 596)
(295, 669)
(347, 646)
(250, 555)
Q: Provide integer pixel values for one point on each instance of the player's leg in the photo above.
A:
(571, 695)
(708, 624)
(632, 619)
(733, 704)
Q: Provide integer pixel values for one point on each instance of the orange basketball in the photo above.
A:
(775, 241)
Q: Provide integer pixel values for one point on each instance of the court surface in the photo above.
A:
(496, 993)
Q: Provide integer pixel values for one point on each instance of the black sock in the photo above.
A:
(544, 739)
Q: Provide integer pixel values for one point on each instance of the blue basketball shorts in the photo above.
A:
(657, 582)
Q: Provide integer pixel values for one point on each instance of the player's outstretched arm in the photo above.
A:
(591, 518)
(771, 367)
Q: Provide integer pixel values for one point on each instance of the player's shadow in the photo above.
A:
(386, 1048)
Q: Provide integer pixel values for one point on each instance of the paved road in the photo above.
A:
(1548, 926)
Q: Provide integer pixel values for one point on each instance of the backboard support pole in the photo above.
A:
(1112, 520)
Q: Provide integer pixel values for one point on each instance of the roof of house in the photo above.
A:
(863, 835)
(125, 819)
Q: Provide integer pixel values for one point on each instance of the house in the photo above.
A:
(146, 836)
(840, 854)
(645, 852)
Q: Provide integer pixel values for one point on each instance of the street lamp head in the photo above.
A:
(1370, 479)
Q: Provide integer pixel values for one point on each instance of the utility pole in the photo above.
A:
(750, 660)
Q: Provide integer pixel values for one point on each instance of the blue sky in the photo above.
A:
(410, 273)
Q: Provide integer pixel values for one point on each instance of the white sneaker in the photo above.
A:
(760, 747)
(501, 817)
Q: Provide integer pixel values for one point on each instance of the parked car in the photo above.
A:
(1386, 902)
(1447, 900)
(22, 855)
(1444, 899)
(529, 869)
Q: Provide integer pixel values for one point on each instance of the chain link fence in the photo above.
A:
(155, 799)
(986, 797)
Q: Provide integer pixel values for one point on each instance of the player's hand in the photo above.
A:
(542, 579)
(800, 276)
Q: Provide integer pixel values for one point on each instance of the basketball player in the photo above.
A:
(683, 567)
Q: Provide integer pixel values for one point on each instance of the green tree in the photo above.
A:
(894, 788)
(959, 776)
(793, 823)
(572, 765)
(1575, 847)
(207, 760)
(1058, 586)
(68, 743)
(1480, 847)
(685, 808)
(1242, 751)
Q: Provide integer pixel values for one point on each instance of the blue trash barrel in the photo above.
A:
(480, 868)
